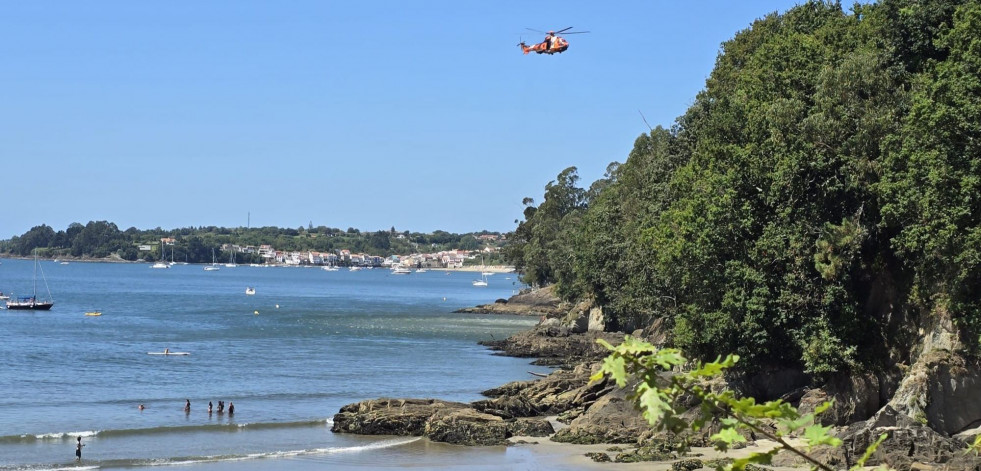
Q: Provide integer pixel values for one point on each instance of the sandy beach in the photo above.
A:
(524, 453)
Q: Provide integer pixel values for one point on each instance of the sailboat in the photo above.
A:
(214, 263)
(481, 282)
(231, 259)
(163, 257)
(31, 302)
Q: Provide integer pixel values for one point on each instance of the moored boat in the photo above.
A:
(31, 302)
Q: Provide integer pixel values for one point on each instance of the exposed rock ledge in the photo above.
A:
(540, 302)
(440, 421)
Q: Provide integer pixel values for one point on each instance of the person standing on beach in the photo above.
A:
(209, 407)
(78, 450)
(231, 408)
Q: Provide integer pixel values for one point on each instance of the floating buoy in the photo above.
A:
(256, 313)
(444, 298)
(277, 306)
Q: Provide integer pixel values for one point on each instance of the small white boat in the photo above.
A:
(249, 291)
(160, 265)
(400, 270)
(481, 282)
(231, 261)
(214, 264)
(421, 270)
(64, 263)
(354, 269)
(330, 268)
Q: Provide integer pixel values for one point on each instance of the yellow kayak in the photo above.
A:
(93, 313)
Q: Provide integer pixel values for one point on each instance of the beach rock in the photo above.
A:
(690, 464)
(559, 392)
(466, 427)
(529, 427)
(407, 417)
(598, 457)
(611, 419)
(440, 421)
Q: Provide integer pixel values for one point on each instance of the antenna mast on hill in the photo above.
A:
(248, 222)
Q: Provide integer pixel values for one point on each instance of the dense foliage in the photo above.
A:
(101, 239)
(828, 175)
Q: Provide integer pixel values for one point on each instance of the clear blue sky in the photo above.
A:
(421, 115)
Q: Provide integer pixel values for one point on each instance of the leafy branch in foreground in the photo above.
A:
(662, 387)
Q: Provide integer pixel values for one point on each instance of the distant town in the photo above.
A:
(451, 259)
(317, 246)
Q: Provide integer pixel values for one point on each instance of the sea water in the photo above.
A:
(306, 343)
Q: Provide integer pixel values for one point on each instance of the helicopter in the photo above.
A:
(552, 44)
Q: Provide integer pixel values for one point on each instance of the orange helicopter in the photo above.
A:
(552, 44)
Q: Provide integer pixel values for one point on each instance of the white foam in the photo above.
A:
(61, 435)
(290, 453)
(373, 446)
(71, 468)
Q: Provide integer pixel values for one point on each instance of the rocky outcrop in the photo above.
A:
(854, 398)
(612, 418)
(559, 392)
(941, 390)
(440, 421)
(391, 416)
(555, 344)
(910, 445)
(466, 427)
(539, 302)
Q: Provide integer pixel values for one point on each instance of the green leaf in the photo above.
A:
(726, 437)
(823, 407)
(615, 366)
(818, 435)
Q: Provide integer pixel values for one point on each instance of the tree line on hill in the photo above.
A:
(102, 239)
(825, 183)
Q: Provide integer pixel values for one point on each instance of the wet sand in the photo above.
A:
(525, 453)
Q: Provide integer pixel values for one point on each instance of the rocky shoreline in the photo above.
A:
(566, 407)
(540, 302)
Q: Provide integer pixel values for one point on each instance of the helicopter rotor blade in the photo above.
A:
(535, 30)
(565, 29)
(576, 32)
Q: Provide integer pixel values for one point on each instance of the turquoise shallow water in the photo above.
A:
(335, 338)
